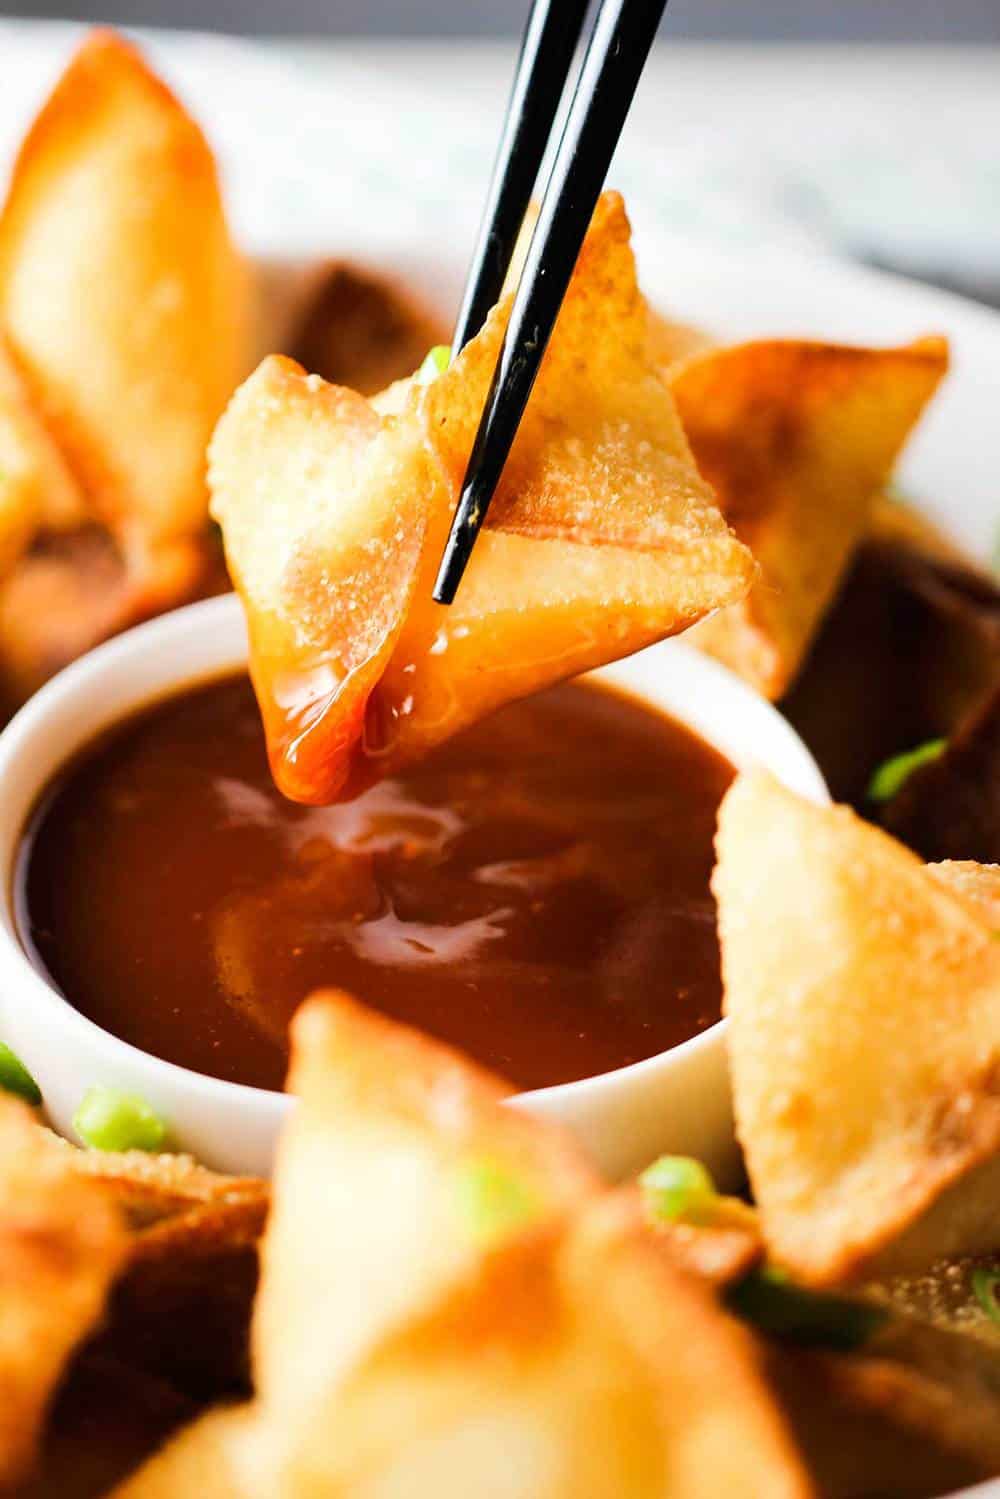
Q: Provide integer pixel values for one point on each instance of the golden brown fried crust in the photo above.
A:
(977, 883)
(797, 438)
(124, 309)
(121, 292)
(601, 537)
(864, 1006)
(180, 1310)
(397, 1346)
(383, 1109)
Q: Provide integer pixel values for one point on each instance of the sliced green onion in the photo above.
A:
(891, 776)
(109, 1120)
(492, 1200)
(15, 1077)
(986, 1285)
(677, 1187)
(769, 1301)
(436, 362)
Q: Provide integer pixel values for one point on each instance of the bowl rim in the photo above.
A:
(219, 622)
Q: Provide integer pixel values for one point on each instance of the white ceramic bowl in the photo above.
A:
(678, 1101)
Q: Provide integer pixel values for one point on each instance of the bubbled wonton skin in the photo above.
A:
(124, 301)
(602, 537)
(863, 995)
(452, 1305)
(797, 438)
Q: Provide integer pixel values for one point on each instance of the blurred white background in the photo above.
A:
(732, 20)
(870, 128)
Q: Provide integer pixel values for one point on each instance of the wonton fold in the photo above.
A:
(124, 302)
(863, 995)
(602, 537)
(451, 1304)
(797, 439)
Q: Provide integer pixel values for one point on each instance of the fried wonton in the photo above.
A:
(180, 1308)
(125, 304)
(797, 439)
(61, 1245)
(667, 340)
(451, 1304)
(601, 537)
(162, 1193)
(36, 486)
(128, 1282)
(409, 1128)
(863, 998)
(978, 883)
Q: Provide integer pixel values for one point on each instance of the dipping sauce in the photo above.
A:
(536, 891)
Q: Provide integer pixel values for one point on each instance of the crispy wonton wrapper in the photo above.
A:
(601, 537)
(797, 439)
(451, 1305)
(667, 341)
(129, 1281)
(180, 1308)
(124, 300)
(864, 1005)
(126, 1283)
(61, 1245)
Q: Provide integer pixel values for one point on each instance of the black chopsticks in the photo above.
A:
(616, 55)
(547, 48)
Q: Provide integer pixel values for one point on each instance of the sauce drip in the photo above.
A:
(535, 891)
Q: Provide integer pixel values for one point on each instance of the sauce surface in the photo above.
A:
(536, 891)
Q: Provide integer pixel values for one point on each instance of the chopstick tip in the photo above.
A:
(449, 573)
(458, 547)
